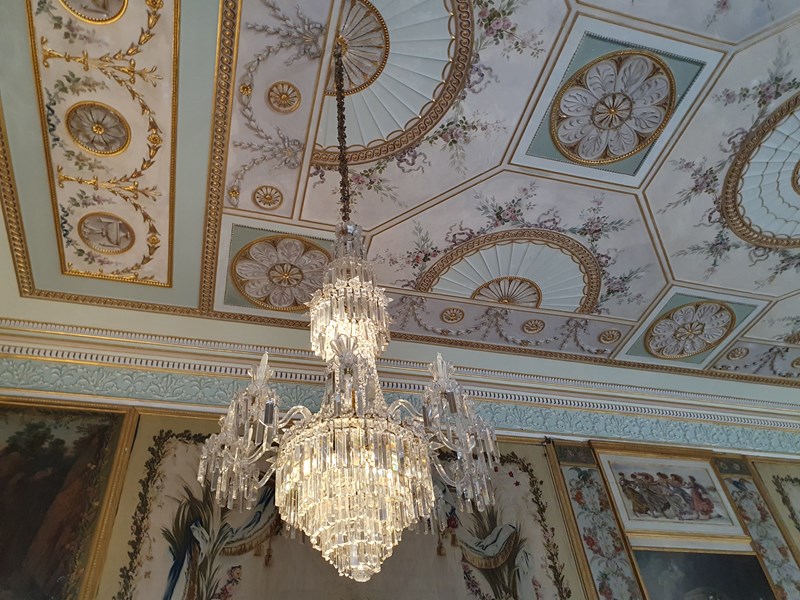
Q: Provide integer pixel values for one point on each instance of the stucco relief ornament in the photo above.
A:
(98, 128)
(689, 330)
(279, 273)
(613, 107)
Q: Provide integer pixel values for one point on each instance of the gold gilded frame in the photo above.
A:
(102, 534)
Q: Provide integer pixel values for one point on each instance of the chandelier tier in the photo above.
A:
(356, 474)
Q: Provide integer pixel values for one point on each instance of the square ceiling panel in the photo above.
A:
(620, 94)
(690, 327)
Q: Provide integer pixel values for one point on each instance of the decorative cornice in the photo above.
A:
(252, 351)
(533, 414)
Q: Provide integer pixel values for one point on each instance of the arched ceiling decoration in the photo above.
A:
(404, 68)
(522, 267)
(611, 182)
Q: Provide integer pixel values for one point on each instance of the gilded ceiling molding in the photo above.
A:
(12, 216)
(766, 199)
(454, 81)
(613, 107)
(586, 261)
(689, 330)
(227, 45)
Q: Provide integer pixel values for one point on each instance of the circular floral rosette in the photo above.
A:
(279, 273)
(613, 107)
(98, 128)
(689, 330)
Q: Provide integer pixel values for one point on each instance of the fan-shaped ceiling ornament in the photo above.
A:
(404, 69)
(530, 268)
(761, 195)
(613, 107)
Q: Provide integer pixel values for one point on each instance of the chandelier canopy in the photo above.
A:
(355, 475)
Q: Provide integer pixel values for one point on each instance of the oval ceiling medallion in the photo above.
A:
(98, 128)
(365, 44)
(97, 12)
(612, 108)
(689, 330)
(761, 194)
(738, 353)
(518, 291)
(268, 197)
(279, 272)
(283, 96)
(106, 233)
(406, 68)
(533, 267)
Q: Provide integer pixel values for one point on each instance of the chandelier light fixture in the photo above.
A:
(356, 474)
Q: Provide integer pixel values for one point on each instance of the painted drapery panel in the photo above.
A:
(169, 541)
(601, 538)
(782, 487)
(768, 540)
(55, 466)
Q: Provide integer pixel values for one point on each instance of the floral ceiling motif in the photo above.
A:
(279, 272)
(105, 85)
(613, 107)
(689, 330)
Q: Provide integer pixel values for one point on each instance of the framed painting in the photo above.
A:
(59, 469)
(781, 484)
(684, 575)
(669, 496)
(171, 542)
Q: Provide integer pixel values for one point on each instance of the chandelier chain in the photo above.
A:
(338, 83)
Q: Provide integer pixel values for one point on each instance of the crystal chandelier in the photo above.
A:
(355, 475)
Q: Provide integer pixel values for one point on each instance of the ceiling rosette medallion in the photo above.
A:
(529, 268)
(279, 272)
(98, 128)
(761, 194)
(689, 330)
(613, 107)
(404, 69)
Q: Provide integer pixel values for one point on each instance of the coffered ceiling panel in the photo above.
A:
(601, 181)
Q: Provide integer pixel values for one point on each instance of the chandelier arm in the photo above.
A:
(397, 405)
(443, 475)
(301, 413)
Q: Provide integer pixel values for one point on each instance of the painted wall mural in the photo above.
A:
(106, 77)
(55, 467)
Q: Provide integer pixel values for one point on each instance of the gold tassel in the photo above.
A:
(453, 540)
(259, 550)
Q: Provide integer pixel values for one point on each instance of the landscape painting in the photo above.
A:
(171, 542)
(670, 575)
(669, 495)
(55, 465)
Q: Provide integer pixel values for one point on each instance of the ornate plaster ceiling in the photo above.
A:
(604, 181)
